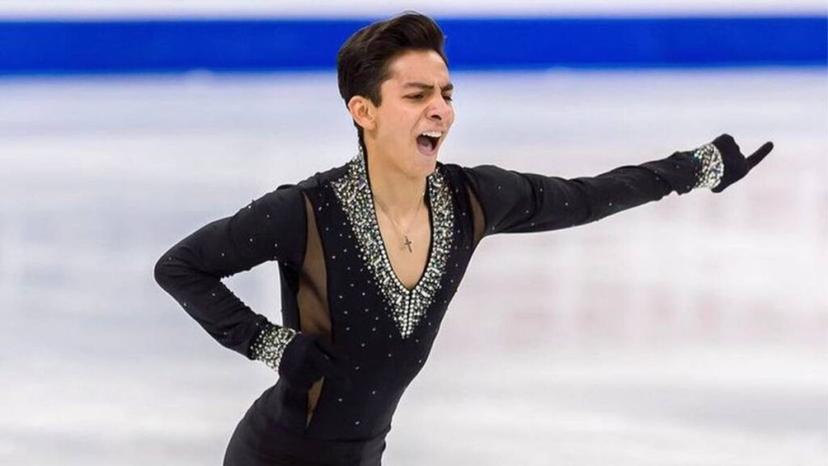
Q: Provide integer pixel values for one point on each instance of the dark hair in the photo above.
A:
(362, 61)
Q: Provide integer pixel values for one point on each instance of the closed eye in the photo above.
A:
(448, 98)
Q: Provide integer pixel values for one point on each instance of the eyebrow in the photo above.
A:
(419, 85)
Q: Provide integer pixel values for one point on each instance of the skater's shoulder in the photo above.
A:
(452, 171)
(466, 173)
(316, 180)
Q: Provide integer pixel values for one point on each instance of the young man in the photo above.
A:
(370, 253)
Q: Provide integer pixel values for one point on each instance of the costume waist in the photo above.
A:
(315, 449)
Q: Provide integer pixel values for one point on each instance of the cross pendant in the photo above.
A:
(408, 243)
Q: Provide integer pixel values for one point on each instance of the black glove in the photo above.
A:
(307, 358)
(736, 165)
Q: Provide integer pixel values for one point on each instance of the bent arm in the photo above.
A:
(515, 202)
(269, 228)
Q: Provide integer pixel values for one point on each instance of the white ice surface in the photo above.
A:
(690, 331)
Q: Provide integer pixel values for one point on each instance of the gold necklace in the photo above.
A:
(407, 243)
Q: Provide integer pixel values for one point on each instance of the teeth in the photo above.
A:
(433, 134)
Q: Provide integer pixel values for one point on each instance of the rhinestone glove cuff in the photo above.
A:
(711, 166)
(270, 344)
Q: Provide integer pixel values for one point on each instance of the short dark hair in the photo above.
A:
(362, 61)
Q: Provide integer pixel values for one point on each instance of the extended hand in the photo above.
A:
(736, 165)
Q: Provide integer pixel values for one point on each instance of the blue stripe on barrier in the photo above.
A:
(124, 46)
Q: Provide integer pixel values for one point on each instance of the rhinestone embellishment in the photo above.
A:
(711, 166)
(407, 306)
(270, 344)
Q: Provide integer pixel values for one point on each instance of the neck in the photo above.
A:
(399, 193)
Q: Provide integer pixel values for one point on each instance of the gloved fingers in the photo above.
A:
(760, 154)
(726, 143)
(331, 368)
(297, 365)
(335, 354)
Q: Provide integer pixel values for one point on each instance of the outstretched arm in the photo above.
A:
(515, 202)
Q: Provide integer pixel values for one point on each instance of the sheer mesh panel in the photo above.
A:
(477, 212)
(312, 297)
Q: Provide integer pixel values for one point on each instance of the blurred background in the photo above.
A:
(689, 331)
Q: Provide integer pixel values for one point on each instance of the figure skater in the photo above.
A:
(371, 253)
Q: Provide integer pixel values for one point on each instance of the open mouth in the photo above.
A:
(427, 142)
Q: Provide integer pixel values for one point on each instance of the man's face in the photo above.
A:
(416, 99)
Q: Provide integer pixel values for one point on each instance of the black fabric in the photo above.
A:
(736, 165)
(269, 228)
(515, 202)
(308, 358)
(258, 440)
(381, 364)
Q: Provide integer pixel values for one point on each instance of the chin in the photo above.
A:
(424, 166)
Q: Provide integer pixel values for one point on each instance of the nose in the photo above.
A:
(440, 109)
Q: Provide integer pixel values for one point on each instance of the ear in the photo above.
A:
(363, 112)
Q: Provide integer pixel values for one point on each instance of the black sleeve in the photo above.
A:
(269, 228)
(515, 202)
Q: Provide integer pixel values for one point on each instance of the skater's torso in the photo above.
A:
(377, 303)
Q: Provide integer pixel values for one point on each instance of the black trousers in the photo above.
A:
(257, 441)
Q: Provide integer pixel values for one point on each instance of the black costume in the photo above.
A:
(337, 283)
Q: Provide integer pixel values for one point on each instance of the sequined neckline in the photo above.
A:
(407, 306)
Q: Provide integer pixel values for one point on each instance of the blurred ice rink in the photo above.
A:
(689, 331)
